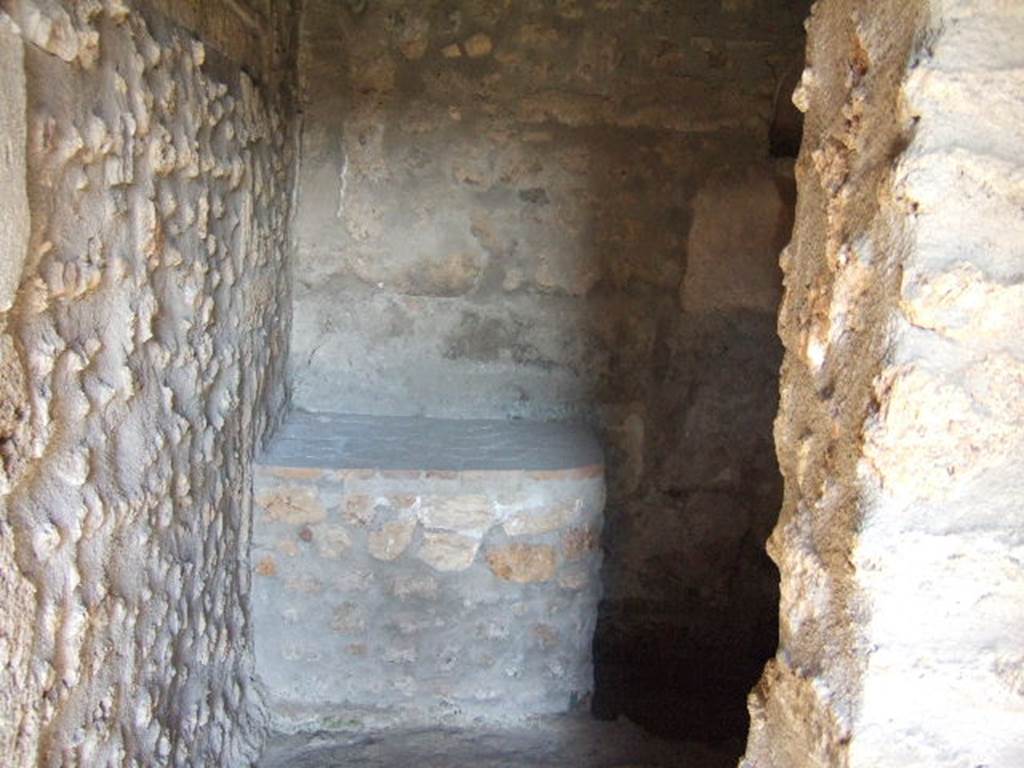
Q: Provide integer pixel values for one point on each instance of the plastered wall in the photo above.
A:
(569, 209)
(144, 315)
(900, 428)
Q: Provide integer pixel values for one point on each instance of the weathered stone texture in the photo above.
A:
(14, 215)
(391, 539)
(545, 210)
(900, 428)
(142, 358)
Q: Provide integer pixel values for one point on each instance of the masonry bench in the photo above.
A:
(425, 571)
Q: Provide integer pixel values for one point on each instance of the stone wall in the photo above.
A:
(901, 426)
(144, 311)
(568, 209)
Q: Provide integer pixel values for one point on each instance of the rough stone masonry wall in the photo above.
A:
(902, 425)
(567, 209)
(143, 306)
(422, 598)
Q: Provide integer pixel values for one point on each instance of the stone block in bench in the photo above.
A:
(421, 571)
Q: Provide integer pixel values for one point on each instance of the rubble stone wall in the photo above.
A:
(424, 597)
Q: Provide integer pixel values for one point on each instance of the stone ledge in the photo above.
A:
(422, 591)
(393, 444)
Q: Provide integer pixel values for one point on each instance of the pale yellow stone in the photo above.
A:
(362, 509)
(523, 563)
(533, 522)
(457, 513)
(296, 505)
(452, 51)
(448, 551)
(392, 539)
(478, 46)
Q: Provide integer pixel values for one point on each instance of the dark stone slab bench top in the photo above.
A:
(349, 441)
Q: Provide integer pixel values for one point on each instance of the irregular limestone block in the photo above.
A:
(523, 563)
(444, 551)
(539, 520)
(397, 561)
(391, 540)
(292, 504)
(458, 513)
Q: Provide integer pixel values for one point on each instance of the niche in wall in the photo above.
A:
(571, 212)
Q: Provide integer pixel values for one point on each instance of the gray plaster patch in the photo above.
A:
(336, 441)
